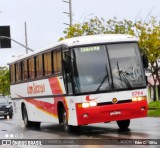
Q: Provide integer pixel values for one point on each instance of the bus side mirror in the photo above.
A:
(145, 60)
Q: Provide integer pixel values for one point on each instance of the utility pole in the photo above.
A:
(26, 41)
(69, 13)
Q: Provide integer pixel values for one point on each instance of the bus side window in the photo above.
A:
(18, 71)
(12, 68)
(24, 70)
(39, 66)
(31, 68)
(47, 64)
(57, 61)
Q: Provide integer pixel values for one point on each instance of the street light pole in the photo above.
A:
(5, 37)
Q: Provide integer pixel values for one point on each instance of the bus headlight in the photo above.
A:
(139, 98)
(93, 103)
(134, 99)
(85, 104)
(89, 104)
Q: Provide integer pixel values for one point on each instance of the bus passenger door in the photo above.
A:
(67, 74)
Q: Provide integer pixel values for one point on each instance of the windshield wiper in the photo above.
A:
(123, 77)
(104, 79)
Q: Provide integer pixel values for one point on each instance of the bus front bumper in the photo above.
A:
(112, 112)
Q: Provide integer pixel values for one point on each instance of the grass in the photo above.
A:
(154, 113)
(154, 109)
(154, 104)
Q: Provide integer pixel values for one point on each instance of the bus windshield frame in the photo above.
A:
(107, 67)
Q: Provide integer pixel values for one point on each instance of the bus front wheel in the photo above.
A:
(67, 128)
(123, 124)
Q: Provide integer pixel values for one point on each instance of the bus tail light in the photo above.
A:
(134, 99)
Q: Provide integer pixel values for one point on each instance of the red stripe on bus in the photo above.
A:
(44, 106)
(55, 86)
(57, 89)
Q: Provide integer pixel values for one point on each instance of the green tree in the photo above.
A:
(149, 42)
(99, 26)
(147, 32)
(4, 81)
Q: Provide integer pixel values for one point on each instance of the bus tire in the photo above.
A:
(123, 124)
(67, 128)
(27, 123)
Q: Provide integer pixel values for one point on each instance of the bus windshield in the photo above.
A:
(126, 65)
(91, 68)
(107, 67)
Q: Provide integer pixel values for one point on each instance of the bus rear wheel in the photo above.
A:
(27, 123)
(123, 124)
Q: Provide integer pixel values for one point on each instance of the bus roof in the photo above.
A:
(84, 40)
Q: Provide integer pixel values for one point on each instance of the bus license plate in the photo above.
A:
(115, 113)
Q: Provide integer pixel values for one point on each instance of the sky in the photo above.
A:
(45, 19)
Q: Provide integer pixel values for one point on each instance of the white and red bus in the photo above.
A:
(79, 81)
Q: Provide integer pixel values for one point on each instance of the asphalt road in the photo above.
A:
(143, 128)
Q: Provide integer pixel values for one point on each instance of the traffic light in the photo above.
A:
(5, 32)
